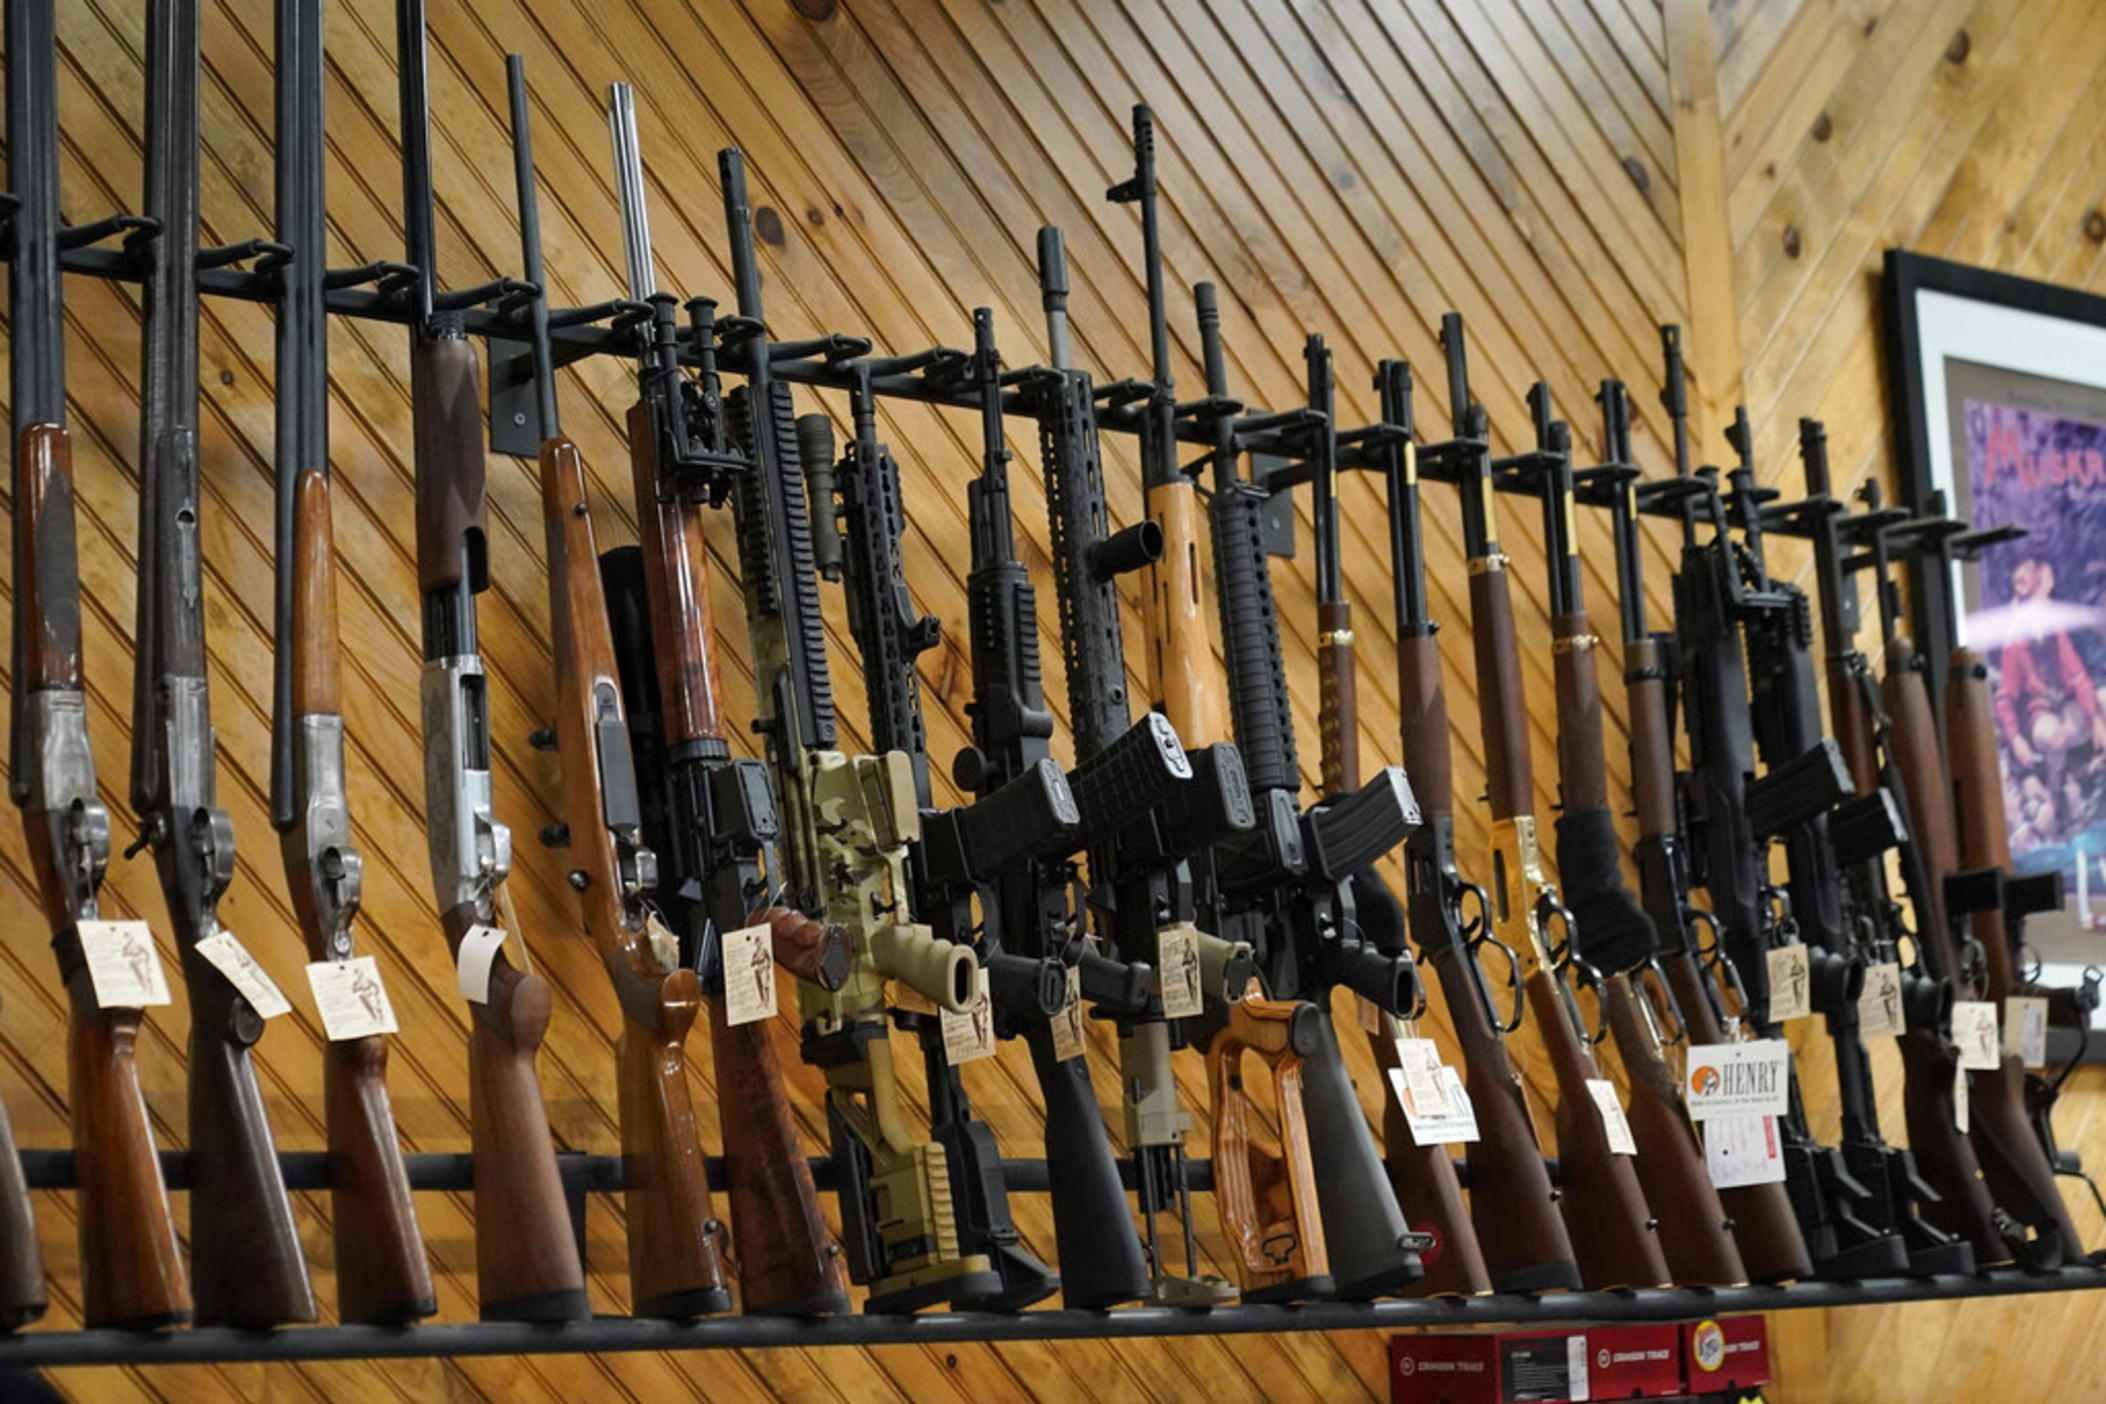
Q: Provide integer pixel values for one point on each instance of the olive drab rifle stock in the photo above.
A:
(526, 1252)
(848, 821)
(1612, 1231)
(381, 1273)
(246, 1259)
(710, 818)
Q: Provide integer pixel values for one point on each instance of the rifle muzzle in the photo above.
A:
(940, 970)
(1026, 987)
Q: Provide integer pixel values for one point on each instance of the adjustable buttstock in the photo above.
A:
(446, 393)
(382, 1277)
(1268, 1202)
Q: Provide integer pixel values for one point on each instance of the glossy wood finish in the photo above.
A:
(1267, 1195)
(46, 560)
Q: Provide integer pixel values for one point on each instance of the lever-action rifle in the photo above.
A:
(131, 1269)
(381, 1273)
(526, 1253)
(847, 824)
(1730, 855)
(676, 1266)
(1612, 1231)
(1698, 975)
(1613, 932)
(1142, 881)
(710, 818)
(245, 1252)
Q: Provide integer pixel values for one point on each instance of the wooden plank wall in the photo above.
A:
(1354, 167)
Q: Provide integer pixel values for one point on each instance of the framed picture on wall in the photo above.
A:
(1999, 388)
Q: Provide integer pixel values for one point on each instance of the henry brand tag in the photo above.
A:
(1974, 1034)
(232, 959)
(1959, 1099)
(969, 1037)
(749, 975)
(1879, 1007)
(123, 965)
(1612, 1118)
(1435, 1107)
(1743, 1150)
(1177, 970)
(350, 998)
(1067, 1024)
(1738, 1079)
(472, 962)
(1791, 985)
(2025, 1029)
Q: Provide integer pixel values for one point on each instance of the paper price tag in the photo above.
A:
(969, 1037)
(351, 999)
(1974, 1033)
(1738, 1079)
(232, 959)
(1177, 970)
(472, 962)
(1436, 1108)
(1612, 1118)
(1959, 1099)
(1791, 984)
(1579, 1387)
(1067, 1024)
(1743, 1150)
(749, 975)
(2025, 1029)
(123, 965)
(1879, 1007)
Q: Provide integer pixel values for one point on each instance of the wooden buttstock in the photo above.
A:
(1519, 1230)
(1423, 702)
(1583, 773)
(1652, 740)
(1502, 712)
(131, 1266)
(1978, 804)
(1696, 1237)
(1943, 1153)
(676, 582)
(47, 563)
(316, 684)
(1340, 713)
(245, 1252)
(788, 1263)
(676, 1266)
(1268, 1203)
(526, 1254)
(1613, 1231)
(1180, 655)
(2016, 1167)
(1853, 729)
(1765, 1226)
(1929, 806)
(382, 1277)
(1430, 1194)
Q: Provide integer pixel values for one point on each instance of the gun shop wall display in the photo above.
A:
(1058, 699)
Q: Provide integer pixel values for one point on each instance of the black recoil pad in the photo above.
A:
(1353, 833)
(1026, 986)
(1612, 930)
(1134, 548)
(1863, 828)
(1811, 783)
(1130, 777)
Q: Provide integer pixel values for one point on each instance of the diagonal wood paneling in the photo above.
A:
(1352, 167)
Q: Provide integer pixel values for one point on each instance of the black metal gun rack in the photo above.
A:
(377, 292)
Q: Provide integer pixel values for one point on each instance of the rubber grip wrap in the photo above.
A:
(1364, 1230)
(1129, 778)
(1353, 833)
(1613, 931)
(1250, 639)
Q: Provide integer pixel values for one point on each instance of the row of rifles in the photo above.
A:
(1186, 895)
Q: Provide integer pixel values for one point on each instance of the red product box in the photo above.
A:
(1732, 1352)
(1554, 1367)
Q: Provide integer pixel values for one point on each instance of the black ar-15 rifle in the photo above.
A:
(245, 1252)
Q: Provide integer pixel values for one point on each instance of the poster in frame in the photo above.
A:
(1999, 390)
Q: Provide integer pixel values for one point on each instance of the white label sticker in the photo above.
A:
(1578, 1387)
(1177, 970)
(123, 965)
(232, 959)
(1067, 1024)
(1612, 1118)
(1879, 1007)
(2025, 1029)
(749, 975)
(351, 999)
(1743, 1150)
(1974, 1034)
(1791, 985)
(969, 1037)
(1435, 1107)
(472, 962)
(1959, 1099)
(1738, 1079)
